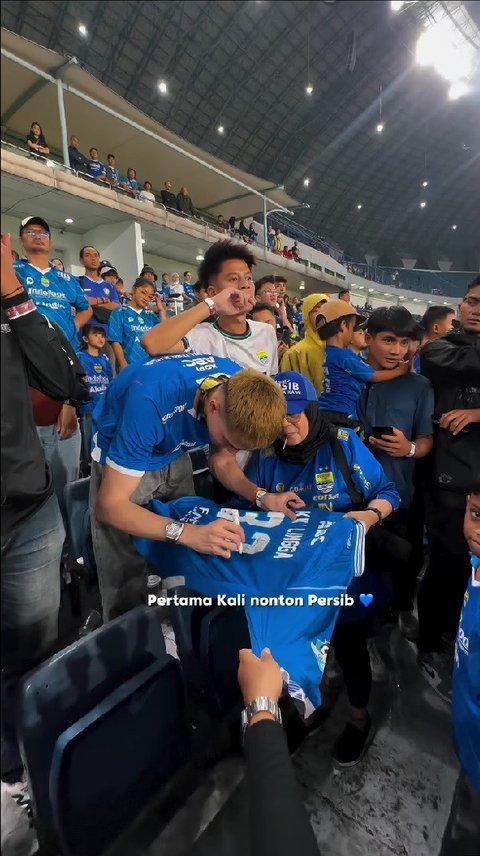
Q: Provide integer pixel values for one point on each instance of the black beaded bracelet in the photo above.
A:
(378, 513)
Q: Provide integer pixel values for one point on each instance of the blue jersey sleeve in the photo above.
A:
(140, 430)
(367, 473)
(422, 423)
(113, 296)
(80, 302)
(115, 327)
(355, 366)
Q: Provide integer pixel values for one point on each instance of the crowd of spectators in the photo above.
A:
(390, 411)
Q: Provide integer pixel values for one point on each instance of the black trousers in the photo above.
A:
(350, 644)
(441, 591)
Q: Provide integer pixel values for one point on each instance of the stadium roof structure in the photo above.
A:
(245, 67)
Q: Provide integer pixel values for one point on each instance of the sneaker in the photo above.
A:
(437, 670)
(18, 837)
(408, 625)
(352, 744)
(377, 663)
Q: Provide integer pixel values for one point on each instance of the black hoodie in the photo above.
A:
(452, 364)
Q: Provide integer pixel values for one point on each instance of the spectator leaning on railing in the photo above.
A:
(146, 194)
(111, 172)
(168, 198)
(77, 161)
(36, 141)
(129, 183)
(184, 203)
(96, 168)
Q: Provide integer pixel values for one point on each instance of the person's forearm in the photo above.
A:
(387, 374)
(82, 317)
(382, 505)
(423, 446)
(119, 355)
(225, 468)
(163, 337)
(128, 517)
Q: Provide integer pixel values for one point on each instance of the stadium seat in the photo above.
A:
(78, 525)
(102, 730)
(224, 631)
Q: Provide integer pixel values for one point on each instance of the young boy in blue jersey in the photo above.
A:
(128, 324)
(345, 373)
(462, 834)
(95, 167)
(98, 374)
(150, 416)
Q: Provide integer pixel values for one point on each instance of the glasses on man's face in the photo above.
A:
(32, 234)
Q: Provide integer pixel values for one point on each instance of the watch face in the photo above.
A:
(172, 530)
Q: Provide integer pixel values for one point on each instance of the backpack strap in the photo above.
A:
(356, 498)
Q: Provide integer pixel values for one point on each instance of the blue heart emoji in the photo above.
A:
(366, 599)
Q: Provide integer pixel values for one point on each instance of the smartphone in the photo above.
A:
(378, 430)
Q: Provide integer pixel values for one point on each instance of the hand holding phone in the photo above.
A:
(379, 430)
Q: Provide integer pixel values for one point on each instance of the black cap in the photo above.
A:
(34, 221)
(148, 269)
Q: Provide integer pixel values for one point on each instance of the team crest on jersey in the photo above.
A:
(106, 291)
(262, 356)
(320, 649)
(342, 435)
(280, 487)
(325, 481)
(45, 281)
(98, 368)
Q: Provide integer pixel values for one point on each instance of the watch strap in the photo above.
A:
(211, 305)
(261, 704)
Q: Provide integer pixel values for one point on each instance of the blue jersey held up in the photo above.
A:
(292, 577)
(98, 374)
(57, 294)
(127, 326)
(146, 419)
(466, 683)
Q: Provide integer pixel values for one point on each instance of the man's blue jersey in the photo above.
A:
(316, 556)
(127, 326)
(319, 482)
(98, 374)
(56, 293)
(146, 419)
(466, 683)
(96, 168)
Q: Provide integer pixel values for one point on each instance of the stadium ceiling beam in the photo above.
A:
(124, 35)
(147, 56)
(33, 90)
(260, 63)
(239, 11)
(57, 25)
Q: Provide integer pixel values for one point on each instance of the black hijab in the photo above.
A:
(319, 432)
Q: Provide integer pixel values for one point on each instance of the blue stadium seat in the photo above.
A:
(102, 729)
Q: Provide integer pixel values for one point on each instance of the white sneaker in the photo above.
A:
(437, 670)
(377, 663)
(18, 837)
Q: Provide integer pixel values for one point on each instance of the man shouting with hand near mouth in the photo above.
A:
(226, 275)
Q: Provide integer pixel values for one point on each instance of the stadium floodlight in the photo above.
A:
(443, 47)
(424, 183)
(380, 127)
(301, 287)
(82, 30)
(359, 206)
(458, 89)
(309, 89)
(162, 86)
(306, 182)
(220, 129)
(423, 204)
(199, 258)
(454, 226)
(68, 221)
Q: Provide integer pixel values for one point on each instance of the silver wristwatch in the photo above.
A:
(262, 704)
(412, 451)
(259, 496)
(173, 531)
